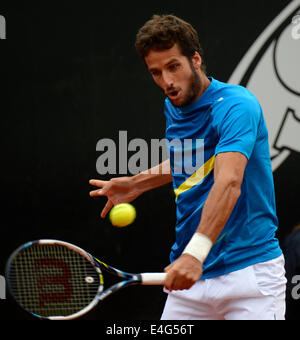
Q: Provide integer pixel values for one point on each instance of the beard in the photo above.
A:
(193, 90)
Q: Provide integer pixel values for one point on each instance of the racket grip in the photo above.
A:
(153, 278)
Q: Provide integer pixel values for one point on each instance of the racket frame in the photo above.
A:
(99, 266)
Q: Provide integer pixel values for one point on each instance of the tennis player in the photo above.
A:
(226, 262)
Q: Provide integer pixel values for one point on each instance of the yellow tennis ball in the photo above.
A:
(122, 215)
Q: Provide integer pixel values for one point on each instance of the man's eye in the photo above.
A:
(155, 73)
(174, 67)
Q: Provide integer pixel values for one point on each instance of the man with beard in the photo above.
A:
(226, 262)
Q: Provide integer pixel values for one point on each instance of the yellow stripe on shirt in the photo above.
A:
(196, 178)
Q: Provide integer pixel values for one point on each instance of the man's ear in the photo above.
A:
(197, 61)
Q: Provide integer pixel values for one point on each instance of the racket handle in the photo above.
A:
(153, 278)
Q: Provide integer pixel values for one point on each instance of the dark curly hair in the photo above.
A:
(162, 32)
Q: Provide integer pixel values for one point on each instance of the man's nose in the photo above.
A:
(168, 80)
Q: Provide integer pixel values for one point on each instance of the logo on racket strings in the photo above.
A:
(45, 280)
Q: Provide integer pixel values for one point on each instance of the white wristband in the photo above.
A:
(199, 247)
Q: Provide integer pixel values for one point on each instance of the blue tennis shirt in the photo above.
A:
(226, 118)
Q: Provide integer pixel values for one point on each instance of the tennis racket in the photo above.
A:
(59, 281)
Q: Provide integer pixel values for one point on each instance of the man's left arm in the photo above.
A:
(228, 177)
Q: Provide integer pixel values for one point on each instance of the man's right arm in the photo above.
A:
(154, 177)
(126, 189)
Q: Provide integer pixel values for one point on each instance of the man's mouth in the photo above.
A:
(173, 94)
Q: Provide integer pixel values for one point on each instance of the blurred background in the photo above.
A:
(70, 76)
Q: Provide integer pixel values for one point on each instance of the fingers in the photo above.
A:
(171, 281)
(104, 188)
(107, 208)
(96, 193)
(170, 277)
(168, 267)
(183, 273)
(178, 281)
(97, 183)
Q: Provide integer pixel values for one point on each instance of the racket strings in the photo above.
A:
(53, 280)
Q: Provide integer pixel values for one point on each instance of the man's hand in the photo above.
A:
(127, 189)
(117, 190)
(183, 273)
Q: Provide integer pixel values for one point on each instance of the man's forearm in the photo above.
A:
(154, 177)
(229, 172)
(218, 208)
(216, 212)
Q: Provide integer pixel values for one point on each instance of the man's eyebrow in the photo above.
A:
(172, 61)
(152, 69)
(167, 64)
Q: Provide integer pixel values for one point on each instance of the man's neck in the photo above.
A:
(205, 84)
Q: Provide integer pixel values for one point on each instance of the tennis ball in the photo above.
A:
(122, 215)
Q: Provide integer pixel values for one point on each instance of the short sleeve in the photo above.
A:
(239, 128)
